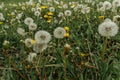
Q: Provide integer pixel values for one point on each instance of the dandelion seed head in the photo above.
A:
(31, 57)
(42, 36)
(38, 48)
(108, 28)
(59, 32)
(28, 20)
(32, 26)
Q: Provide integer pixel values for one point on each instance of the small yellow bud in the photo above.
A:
(28, 67)
(82, 63)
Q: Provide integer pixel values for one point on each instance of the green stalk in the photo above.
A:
(105, 47)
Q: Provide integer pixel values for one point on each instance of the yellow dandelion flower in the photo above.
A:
(33, 5)
(9, 14)
(50, 13)
(50, 17)
(66, 35)
(33, 41)
(13, 16)
(45, 16)
(66, 28)
(83, 54)
(49, 20)
(73, 5)
(1, 23)
(58, 6)
(101, 17)
(43, 7)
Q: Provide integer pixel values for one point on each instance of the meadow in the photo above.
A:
(60, 40)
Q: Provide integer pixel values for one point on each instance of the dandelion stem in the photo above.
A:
(64, 64)
(105, 47)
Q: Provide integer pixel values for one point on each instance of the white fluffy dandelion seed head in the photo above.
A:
(107, 20)
(39, 47)
(116, 18)
(21, 31)
(28, 20)
(5, 42)
(108, 29)
(59, 32)
(67, 13)
(116, 3)
(33, 9)
(65, 6)
(107, 5)
(37, 13)
(38, 9)
(31, 57)
(19, 16)
(2, 17)
(32, 26)
(85, 10)
(42, 36)
(60, 14)
(51, 9)
(28, 42)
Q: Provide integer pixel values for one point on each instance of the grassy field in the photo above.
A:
(59, 40)
(14, 1)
